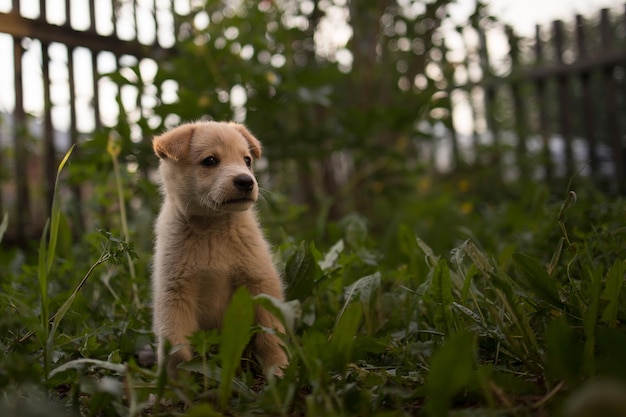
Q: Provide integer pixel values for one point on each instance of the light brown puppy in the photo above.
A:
(208, 240)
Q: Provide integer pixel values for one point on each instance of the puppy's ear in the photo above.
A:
(253, 143)
(175, 143)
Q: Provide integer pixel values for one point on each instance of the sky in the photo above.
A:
(523, 15)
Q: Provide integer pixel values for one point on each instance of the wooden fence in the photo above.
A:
(556, 104)
(81, 45)
(558, 101)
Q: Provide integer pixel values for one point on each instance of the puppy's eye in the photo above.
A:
(210, 161)
(248, 161)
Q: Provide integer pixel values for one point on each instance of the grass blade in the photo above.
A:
(235, 336)
(538, 280)
(55, 216)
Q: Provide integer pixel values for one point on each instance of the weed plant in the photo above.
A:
(461, 306)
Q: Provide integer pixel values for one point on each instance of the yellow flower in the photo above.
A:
(464, 185)
(467, 207)
(114, 146)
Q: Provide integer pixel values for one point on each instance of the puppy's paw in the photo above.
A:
(271, 355)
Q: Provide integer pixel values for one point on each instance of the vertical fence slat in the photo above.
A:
(76, 188)
(49, 157)
(563, 92)
(92, 16)
(543, 102)
(96, 89)
(489, 97)
(519, 106)
(612, 125)
(114, 5)
(22, 201)
(587, 99)
(67, 13)
(449, 76)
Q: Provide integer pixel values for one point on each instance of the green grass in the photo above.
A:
(460, 306)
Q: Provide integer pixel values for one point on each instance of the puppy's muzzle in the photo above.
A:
(244, 182)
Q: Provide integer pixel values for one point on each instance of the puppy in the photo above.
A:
(208, 240)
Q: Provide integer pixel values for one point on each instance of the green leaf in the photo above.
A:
(215, 373)
(42, 277)
(237, 323)
(429, 256)
(341, 342)
(301, 273)
(330, 259)
(290, 311)
(55, 216)
(479, 258)
(538, 280)
(440, 292)
(450, 371)
(564, 352)
(467, 282)
(612, 289)
(362, 288)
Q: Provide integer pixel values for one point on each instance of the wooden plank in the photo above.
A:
(519, 106)
(21, 27)
(92, 16)
(96, 90)
(78, 217)
(49, 153)
(543, 102)
(610, 91)
(563, 92)
(547, 71)
(588, 106)
(489, 97)
(22, 202)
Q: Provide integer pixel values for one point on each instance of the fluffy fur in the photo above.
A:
(208, 240)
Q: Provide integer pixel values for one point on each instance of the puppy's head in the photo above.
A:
(206, 167)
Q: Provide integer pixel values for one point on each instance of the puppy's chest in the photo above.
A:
(213, 257)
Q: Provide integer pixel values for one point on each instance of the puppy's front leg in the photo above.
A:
(175, 320)
(269, 347)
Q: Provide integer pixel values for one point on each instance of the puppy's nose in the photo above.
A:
(244, 182)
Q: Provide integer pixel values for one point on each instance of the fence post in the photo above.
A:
(564, 98)
(49, 156)
(587, 99)
(489, 95)
(542, 103)
(610, 98)
(519, 105)
(20, 131)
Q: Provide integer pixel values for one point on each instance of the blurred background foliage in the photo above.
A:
(340, 127)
